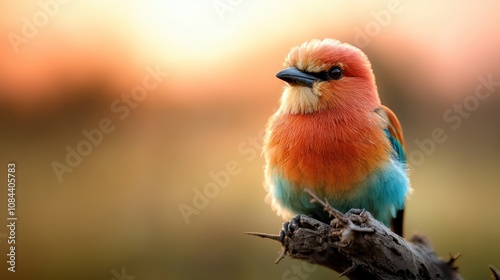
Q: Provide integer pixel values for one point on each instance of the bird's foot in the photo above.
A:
(289, 228)
(287, 232)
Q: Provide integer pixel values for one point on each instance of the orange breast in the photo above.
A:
(321, 150)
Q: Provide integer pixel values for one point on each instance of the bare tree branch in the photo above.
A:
(495, 273)
(360, 247)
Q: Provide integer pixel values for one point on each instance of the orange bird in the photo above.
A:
(332, 135)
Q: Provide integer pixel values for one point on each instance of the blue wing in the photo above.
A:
(394, 133)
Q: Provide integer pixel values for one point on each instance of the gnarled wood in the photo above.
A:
(360, 247)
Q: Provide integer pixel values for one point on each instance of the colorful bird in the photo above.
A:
(332, 135)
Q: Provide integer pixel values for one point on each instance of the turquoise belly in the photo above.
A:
(382, 194)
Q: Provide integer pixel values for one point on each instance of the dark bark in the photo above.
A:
(360, 247)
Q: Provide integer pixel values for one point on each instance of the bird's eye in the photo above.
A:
(335, 73)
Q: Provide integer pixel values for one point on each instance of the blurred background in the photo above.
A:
(172, 92)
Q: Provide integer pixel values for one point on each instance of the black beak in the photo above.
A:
(293, 76)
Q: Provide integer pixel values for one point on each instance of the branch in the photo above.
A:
(360, 247)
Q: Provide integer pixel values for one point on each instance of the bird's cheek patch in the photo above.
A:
(316, 89)
(298, 100)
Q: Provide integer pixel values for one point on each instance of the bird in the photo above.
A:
(331, 135)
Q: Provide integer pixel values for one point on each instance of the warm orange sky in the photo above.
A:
(218, 48)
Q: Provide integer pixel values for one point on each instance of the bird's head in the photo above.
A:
(325, 75)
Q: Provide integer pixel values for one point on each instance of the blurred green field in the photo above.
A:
(120, 207)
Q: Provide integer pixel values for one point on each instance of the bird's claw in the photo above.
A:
(289, 228)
